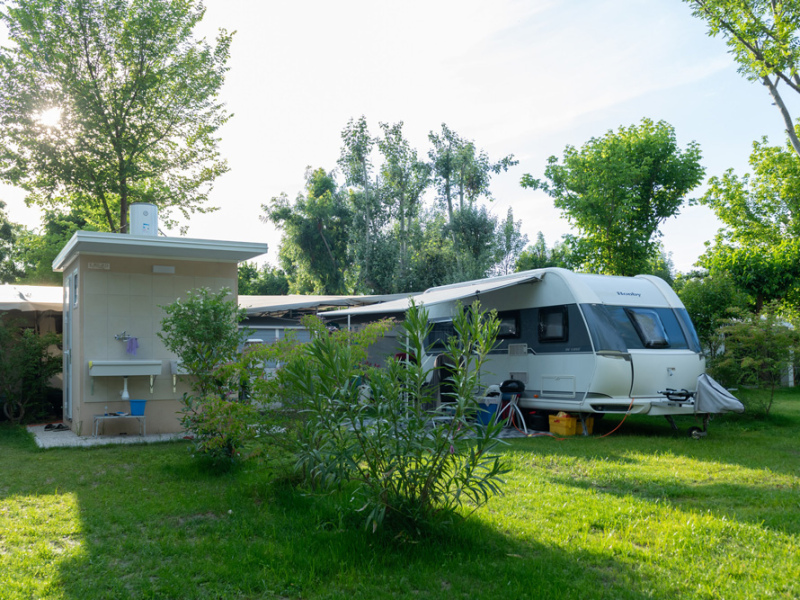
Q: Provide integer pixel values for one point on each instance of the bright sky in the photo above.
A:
(522, 77)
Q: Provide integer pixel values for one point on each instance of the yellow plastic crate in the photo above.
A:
(569, 425)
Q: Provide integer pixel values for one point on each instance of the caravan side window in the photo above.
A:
(509, 325)
(440, 333)
(553, 324)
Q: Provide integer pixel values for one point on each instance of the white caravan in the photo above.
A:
(580, 343)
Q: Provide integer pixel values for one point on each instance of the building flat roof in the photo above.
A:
(123, 244)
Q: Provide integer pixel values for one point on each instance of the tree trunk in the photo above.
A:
(123, 198)
(787, 118)
(367, 218)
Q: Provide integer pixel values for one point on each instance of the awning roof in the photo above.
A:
(445, 293)
(275, 305)
(30, 298)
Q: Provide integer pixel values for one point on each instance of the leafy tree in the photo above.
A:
(36, 252)
(316, 236)
(511, 243)
(539, 256)
(404, 178)
(759, 243)
(9, 234)
(763, 39)
(475, 236)
(709, 300)
(618, 189)
(266, 281)
(109, 102)
(433, 260)
(460, 170)
(356, 164)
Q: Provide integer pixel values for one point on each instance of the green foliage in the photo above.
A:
(617, 190)
(758, 350)
(136, 98)
(220, 428)
(709, 301)
(316, 236)
(758, 245)
(404, 178)
(763, 39)
(9, 236)
(202, 330)
(475, 241)
(510, 245)
(406, 465)
(461, 171)
(374, 235)
(36, 252)
(27, 363)
(539, 256)
(266, 281)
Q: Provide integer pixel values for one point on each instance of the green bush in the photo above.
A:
(405, 463)
(220, 428)
(26, 366)
(203, 332)
(758, 350)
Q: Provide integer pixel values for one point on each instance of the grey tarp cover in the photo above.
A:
(711, 397)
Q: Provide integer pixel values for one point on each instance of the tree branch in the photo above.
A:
(787, 118)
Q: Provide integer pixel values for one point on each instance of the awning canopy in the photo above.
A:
(30, 298)
(306, 304)
(438, 295)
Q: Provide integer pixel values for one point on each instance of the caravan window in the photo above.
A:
(648, 326)
(440, 333)
(553, 324)
(509, 325)
(632, 328)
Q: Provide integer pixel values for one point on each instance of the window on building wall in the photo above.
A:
(553, 324)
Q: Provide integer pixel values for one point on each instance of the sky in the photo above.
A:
(516, 77)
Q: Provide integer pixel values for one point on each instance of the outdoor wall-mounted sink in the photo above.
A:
(177, 368)
(124, 368)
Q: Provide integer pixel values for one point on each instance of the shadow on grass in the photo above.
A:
(148, 522)
(744, 470)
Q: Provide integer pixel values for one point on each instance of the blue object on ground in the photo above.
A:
(486, 412)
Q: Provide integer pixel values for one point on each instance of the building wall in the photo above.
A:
(123, 294)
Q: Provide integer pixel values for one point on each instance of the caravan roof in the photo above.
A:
(642, 290)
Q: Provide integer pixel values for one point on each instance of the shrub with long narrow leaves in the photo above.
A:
(406, 463)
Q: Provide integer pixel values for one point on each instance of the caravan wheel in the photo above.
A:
(697, 433)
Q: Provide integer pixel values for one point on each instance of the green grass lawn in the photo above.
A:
(640, 514)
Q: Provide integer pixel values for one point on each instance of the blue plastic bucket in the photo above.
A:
(137, 407)
(486, 412)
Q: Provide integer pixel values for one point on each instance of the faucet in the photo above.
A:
(124, 337)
